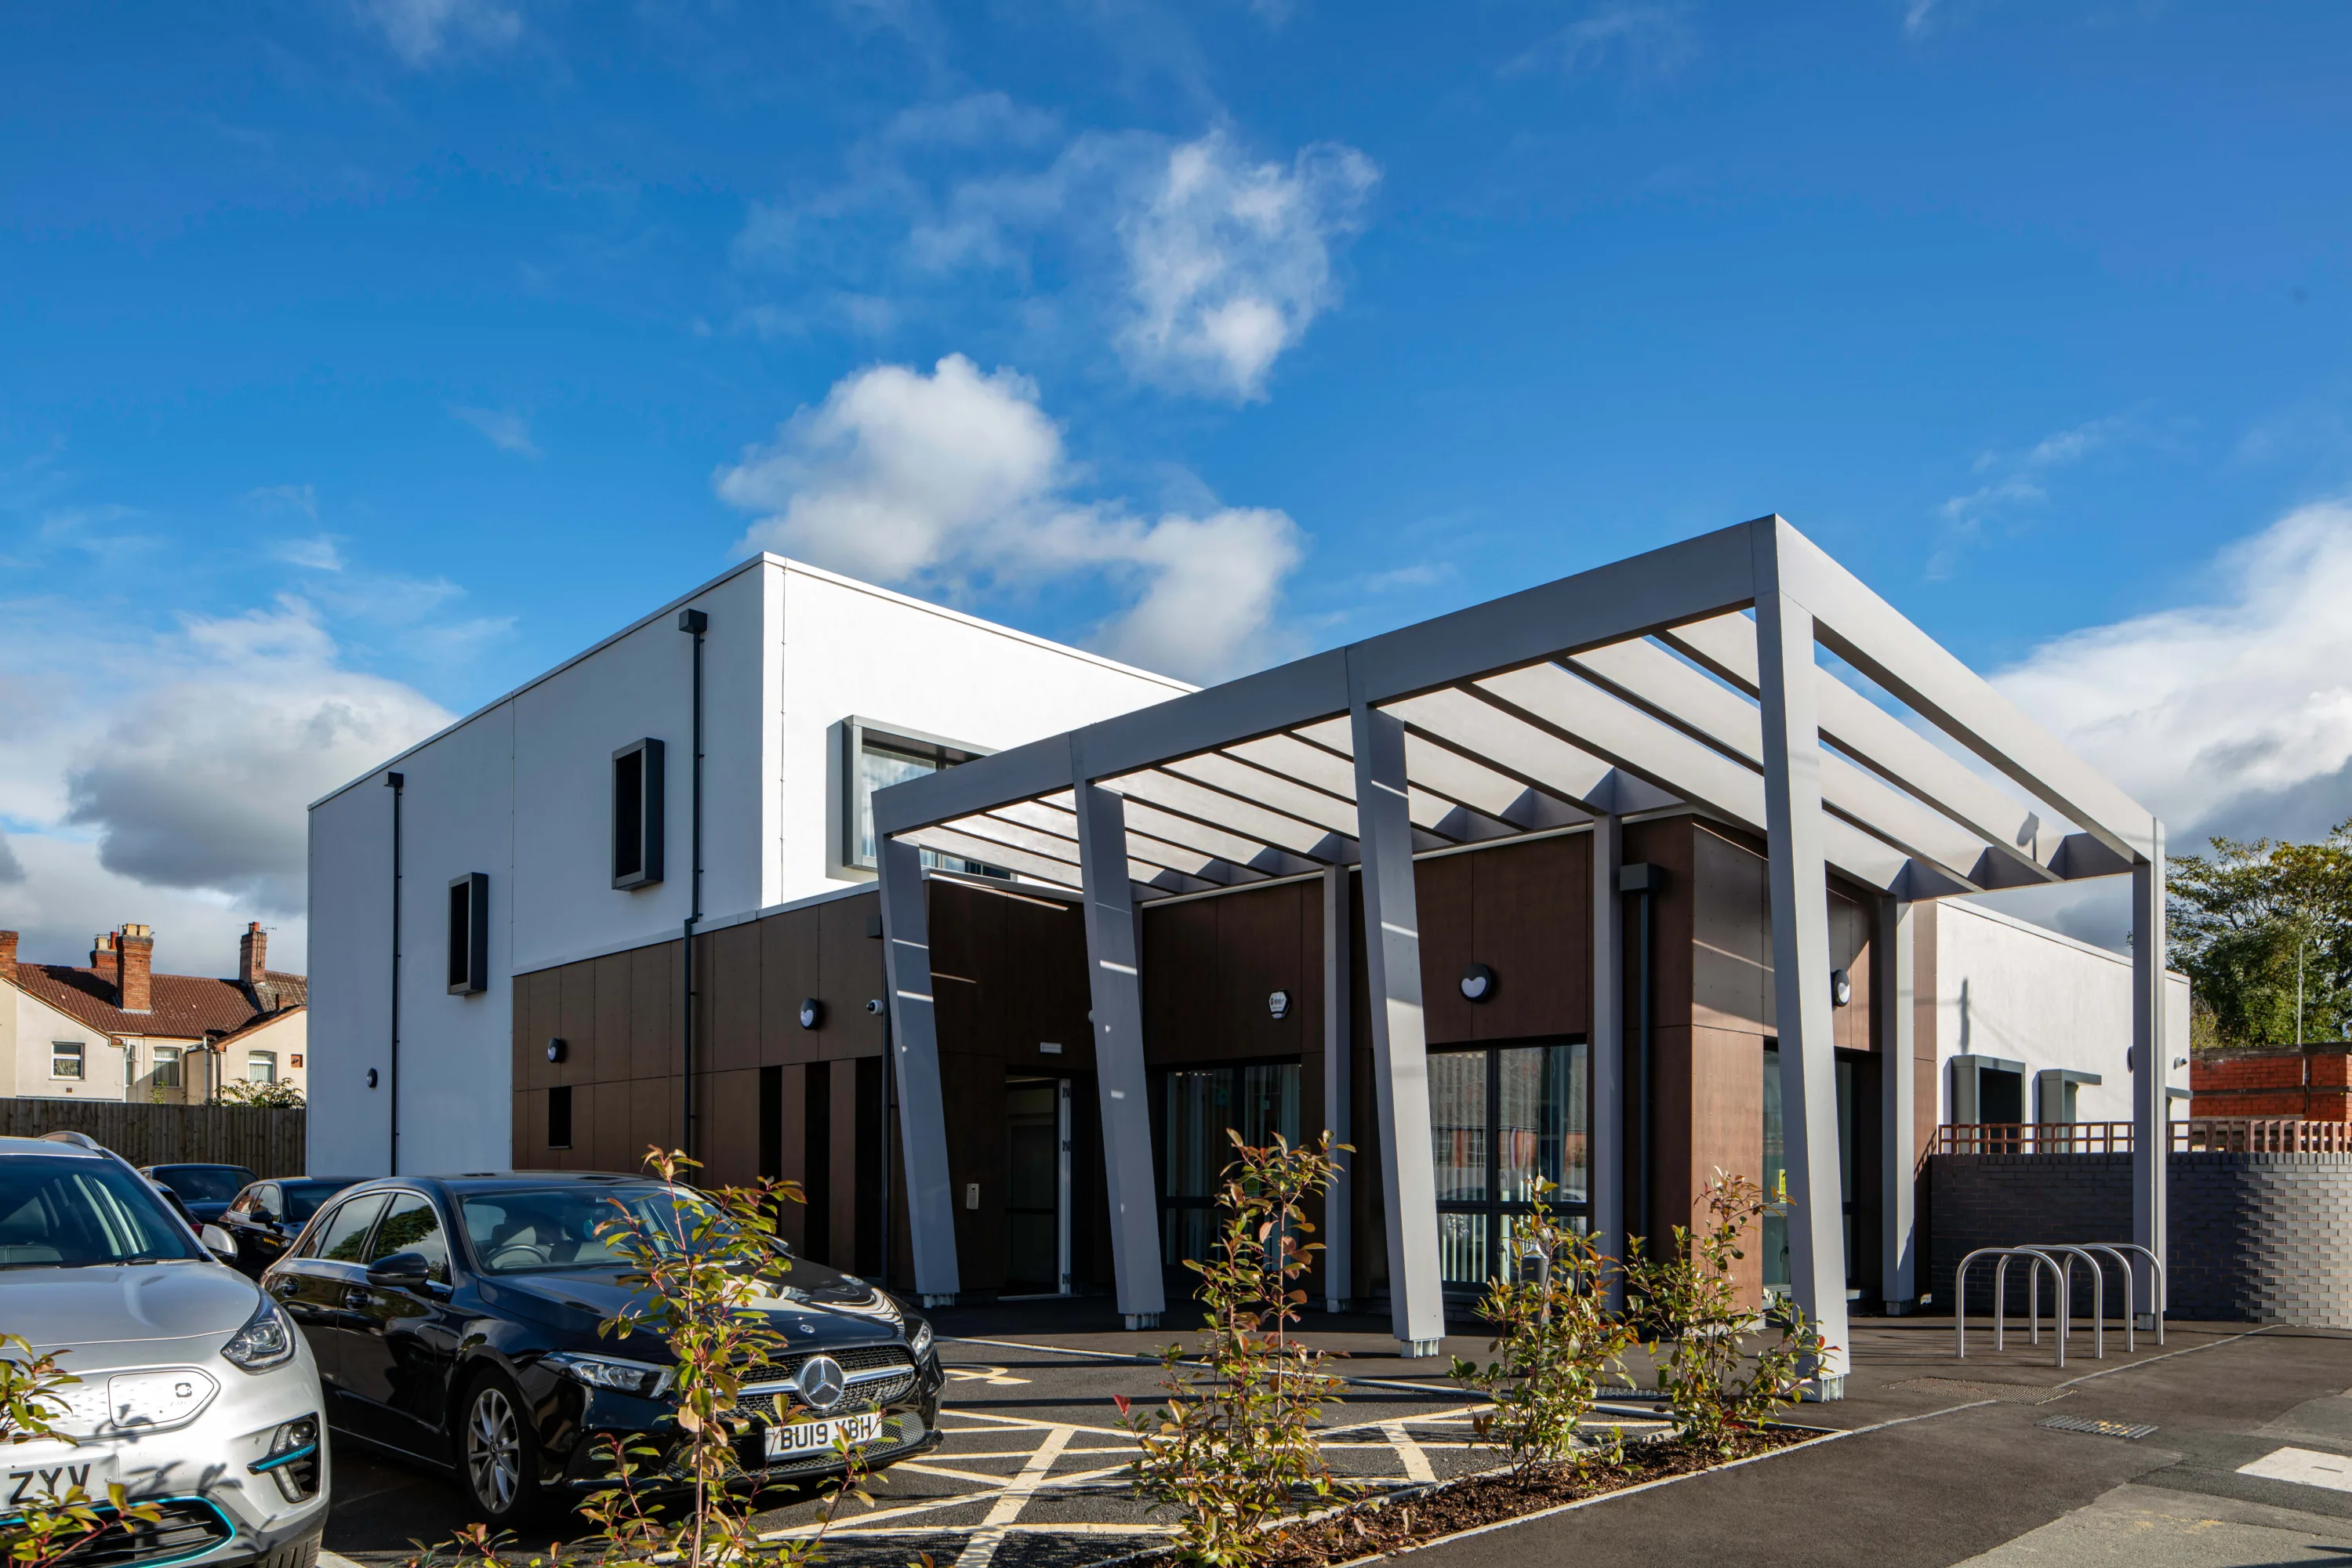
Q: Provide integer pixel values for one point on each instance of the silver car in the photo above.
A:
(196, 1393)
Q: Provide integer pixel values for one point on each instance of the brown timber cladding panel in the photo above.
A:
(266, 1142)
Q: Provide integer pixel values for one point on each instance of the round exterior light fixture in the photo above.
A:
(557, 1050)
(1277, 1003)
(811, 1013)
(1841, 988)
(1477, 983)
(370, 1077)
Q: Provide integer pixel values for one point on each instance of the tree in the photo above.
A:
(2264, 930)
(278, 1092)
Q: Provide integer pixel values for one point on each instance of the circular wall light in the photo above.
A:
(557, 1049)
(370, 1077)
(1277, 1003)
(1841, 988)
(874, 1007)
(811, 1013)
(1478, 982)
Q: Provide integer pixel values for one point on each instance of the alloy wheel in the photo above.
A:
(494, 1449)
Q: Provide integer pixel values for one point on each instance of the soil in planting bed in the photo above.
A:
(1373, 1528)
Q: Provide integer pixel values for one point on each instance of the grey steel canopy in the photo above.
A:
(1686, 676)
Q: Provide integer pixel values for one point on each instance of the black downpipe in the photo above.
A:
(397, 783)
(889, 1126)
(693, 622)
(1643, 880)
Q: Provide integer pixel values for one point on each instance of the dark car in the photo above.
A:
(268, 1216)
(204, 1191)
(454, 1320)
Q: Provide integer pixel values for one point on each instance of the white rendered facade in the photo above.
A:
(521, 791)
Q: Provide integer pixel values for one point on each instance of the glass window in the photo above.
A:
(1500, 1121)
(167, 1067)
(345, 1233)
(303, 1198)
(886, 760)
(63, 1211)
(261, 1066)
(205, 1183)
(1777, 1275)
(533, 1230)
(65, 1059)
(1200, 1109)
(413, 1225)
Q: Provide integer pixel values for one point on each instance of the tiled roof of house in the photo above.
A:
(259, 1021)
(182, 1007)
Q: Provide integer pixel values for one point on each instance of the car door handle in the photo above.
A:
(355, 1298)
(284, 1287)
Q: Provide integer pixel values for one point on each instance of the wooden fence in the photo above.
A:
(2200, 1134)
(266, 1142)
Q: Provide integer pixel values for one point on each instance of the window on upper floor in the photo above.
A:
(637, 813)
(167, 1067)
(469, 934)
(261, 1066)
(65, 1059)
(878, 758)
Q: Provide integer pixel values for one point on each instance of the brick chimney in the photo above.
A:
(252, 955)
(136, 943)
(7, 955)
(102, 958)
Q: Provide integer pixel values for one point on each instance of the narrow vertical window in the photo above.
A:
(559, 1117)
(637, 813)
(469, 934)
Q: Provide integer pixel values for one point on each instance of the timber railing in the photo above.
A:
(2199, 1134)
(267, 1140)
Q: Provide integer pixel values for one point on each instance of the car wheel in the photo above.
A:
(498, 1456)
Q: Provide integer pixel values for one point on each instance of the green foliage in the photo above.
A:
(1691, 1313)
(2249, 921)
(703, 1271)
(279, 1093)
(1234, 1444)
(1556, 1341)
(40, 1534)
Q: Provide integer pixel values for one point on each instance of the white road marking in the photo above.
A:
(1010, 1501)
(2304, 1467)
(1408, 1452)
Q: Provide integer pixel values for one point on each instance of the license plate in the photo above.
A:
(804, 1439)
(44, 1482)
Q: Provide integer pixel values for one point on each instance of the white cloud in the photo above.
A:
(2010, 480)
(508, 432)
(421, 31)
(1650, 40)
(322, 552)
(303, 498)
(1229, 260)
(958, 482)
(200, 777)
(2230, 716)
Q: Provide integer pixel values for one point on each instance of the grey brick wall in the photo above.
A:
(2253, 1238)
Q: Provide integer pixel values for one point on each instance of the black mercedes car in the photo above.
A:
(454, 1320)
(268, 1216)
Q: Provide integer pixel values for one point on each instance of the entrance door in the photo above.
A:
(1500, 1121)
(1200, 1111)
(1037, 1187)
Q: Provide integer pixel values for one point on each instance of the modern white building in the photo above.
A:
(814, 687)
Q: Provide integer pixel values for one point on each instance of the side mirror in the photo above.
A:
(218, 1242)
(263, 1216)
(401, 1271)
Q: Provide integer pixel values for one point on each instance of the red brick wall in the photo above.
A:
(2314, 1082)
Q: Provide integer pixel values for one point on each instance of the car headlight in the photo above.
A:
(265, 1341)
(638, 1377)
(919, 1342)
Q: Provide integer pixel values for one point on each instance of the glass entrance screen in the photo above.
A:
(1198, 1107)
(1499, 1121)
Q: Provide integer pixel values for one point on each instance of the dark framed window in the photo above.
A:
(559, 1117)
(1501, 1119)
(638, 813)
(1198, 1108)
(876, 758)
(1776, 1272)
(469, 934)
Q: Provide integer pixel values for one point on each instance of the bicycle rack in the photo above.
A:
(2159, 1297)
(2039, 1261)
(2098, 1290)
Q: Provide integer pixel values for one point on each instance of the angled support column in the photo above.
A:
(1606, 1103)
(2151, 1067)
(1800, 966)
(1117, 1012)
(1400, 1040)
(1895, 993)
(1338, 1092)
(915, 1057)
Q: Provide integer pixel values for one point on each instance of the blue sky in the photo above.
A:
(358, 360)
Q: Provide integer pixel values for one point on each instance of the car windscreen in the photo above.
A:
(206, 1184)
(303, 1198)
(531, 1230)
(61, 1212)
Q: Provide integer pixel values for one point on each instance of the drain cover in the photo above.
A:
(2097, 1428)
